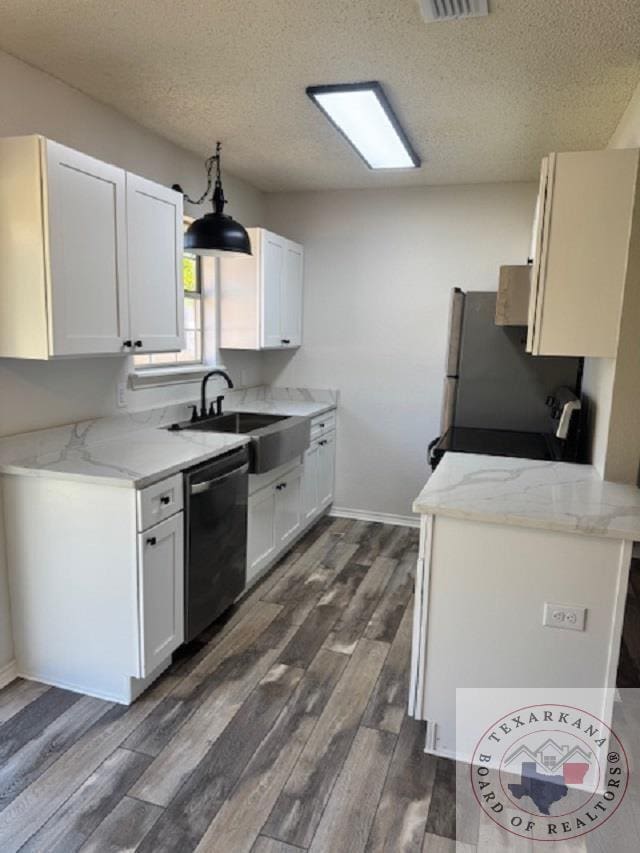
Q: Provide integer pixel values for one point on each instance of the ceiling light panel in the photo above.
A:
(363, 115)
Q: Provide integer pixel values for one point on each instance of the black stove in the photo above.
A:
(564, 444)
(496, 442)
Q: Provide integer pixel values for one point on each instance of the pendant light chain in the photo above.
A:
(215, 158)
(214, 233)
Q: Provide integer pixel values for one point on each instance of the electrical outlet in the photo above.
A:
(564, 616)
(121, 395)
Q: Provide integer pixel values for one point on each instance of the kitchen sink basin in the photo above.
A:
(275, 439)
(243, 422)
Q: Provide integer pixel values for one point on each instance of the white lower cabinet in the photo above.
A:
(319, 471)
(289, 502)
(161, 591)
(96, 582)
(261, 544)
(310, 491)
(274, 519)
(288, 507)
(326, 468)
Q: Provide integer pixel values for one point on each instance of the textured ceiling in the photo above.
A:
(482, 99)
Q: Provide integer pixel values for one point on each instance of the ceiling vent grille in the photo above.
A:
(453, 10)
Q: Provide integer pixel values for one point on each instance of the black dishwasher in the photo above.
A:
(216, 495)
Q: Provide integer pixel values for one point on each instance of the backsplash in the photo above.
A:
(268, 392)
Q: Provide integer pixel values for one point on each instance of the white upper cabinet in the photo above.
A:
(581, 252)
(89, 256)
(154, 241)
(261, 295)
(291, 306)
(271, 271)
(84, 232)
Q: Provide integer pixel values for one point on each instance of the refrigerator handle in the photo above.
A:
(456, 311)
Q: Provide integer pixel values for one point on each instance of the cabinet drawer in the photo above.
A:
(322, 423)
(160, 501)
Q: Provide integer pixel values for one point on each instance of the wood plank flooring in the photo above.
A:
(282, 728)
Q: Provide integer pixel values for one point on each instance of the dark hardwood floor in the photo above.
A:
(282, 729)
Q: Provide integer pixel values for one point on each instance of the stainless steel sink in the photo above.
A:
(275, 439)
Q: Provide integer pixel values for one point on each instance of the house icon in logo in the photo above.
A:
(552, 758)
(547, 771)
(550, 754)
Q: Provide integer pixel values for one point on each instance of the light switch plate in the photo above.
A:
(564, 616)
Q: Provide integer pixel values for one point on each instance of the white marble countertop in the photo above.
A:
(136, 460)
(531, 493)
(136, 450)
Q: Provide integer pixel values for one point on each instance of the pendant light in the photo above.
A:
(215, 233)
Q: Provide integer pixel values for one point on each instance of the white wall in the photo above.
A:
(34, 395)
(379, 266)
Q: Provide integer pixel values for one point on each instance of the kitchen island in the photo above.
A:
(506, 546)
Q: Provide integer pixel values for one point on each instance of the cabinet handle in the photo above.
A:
(281, 486)
(286, 340)
(151, 540)
(323, 442)
(321, 426)
(127, 344)
(137, 343)
(165, 499)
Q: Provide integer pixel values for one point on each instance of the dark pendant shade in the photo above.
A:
(216, 234)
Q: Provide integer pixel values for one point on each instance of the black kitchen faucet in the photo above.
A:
(204, 412)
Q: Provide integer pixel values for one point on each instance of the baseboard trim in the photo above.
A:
(384, 517)
(8, 673)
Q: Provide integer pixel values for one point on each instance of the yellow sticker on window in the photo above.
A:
(190, 273)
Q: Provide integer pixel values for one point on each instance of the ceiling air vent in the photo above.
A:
(453, 10)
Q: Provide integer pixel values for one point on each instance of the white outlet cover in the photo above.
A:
(121, 395)
(565, 616)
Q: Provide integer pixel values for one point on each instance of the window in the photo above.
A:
(192, 353)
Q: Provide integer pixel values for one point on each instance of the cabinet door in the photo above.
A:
(583, 255)
(326, 468)
(535, 292)
(161, 591)
(154, 241)
(86, 245)
(291, 299)
(272, 272)
(310, 493)
(261, 544)
(288, 507)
